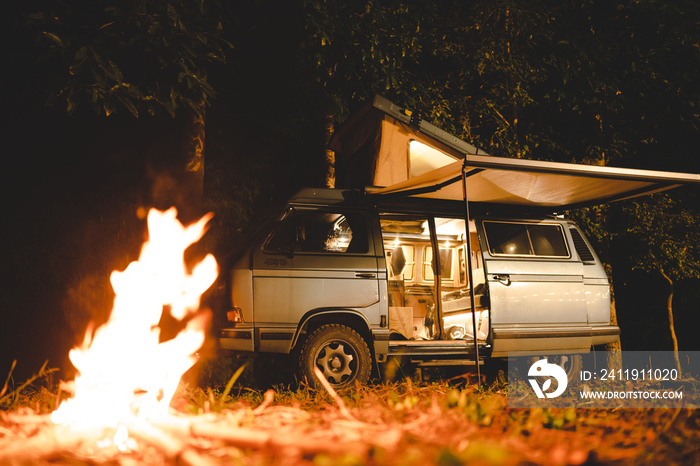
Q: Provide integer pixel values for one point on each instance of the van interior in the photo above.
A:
(418, 276)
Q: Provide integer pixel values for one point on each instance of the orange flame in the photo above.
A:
(123, 369)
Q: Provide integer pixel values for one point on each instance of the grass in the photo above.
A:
(38, 391)
(433, 422)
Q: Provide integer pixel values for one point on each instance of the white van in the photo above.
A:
(463, 263)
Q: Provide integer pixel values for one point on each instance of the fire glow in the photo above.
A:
(125, 374)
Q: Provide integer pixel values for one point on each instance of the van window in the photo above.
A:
(319, 231)
(445, 263)
(584, 253)
(525, 239)
(401, 260)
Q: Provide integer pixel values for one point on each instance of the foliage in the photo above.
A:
(29, 394)
(659, 234)
(553, 80)
(140, 56)
(376, 46)
(588, 82)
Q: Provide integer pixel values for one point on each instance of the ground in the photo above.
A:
(445, 422)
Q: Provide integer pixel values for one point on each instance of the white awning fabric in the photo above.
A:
(519, 182)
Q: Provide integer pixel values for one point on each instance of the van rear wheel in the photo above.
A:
(571, 363)
(339, 352)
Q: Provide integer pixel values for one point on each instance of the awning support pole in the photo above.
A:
(470, 273)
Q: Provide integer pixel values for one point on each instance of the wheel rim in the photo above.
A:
(337, 360)
(565, 363)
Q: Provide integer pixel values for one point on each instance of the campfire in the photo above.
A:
(119, 409)
(126, 374)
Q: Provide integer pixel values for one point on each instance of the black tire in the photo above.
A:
(339, 352)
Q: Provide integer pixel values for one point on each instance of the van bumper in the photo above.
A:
(605, 334)
(237, 339)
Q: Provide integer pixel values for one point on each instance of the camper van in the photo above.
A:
(446, 256)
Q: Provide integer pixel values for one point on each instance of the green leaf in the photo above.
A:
(53, 37)
(232, 381)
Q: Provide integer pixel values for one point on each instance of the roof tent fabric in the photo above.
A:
(372, 147)
(378, 137)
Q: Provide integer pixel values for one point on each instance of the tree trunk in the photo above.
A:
(669, 308)
(177, 174)
(330, 155)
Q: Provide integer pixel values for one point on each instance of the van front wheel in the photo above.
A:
(339, 352)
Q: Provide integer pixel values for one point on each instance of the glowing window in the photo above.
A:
(521, 239)
(401, 260)
(445, 263)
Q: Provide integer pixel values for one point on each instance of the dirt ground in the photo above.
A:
(441, 423)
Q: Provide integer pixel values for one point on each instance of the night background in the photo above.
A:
(100, 103)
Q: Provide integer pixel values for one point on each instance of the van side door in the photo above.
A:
(314, 260)
(536, 288)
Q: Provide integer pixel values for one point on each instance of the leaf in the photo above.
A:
(108, 107)
(232, 380)
(54, 38)
(128, 104)
(71, 105)
(174, 95)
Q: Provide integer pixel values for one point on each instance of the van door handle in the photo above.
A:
(503, 278)
(365, 275)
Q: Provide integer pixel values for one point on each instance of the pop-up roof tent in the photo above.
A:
(392, 152)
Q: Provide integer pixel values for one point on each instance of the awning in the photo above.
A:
(398, 154)
(550, 185)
